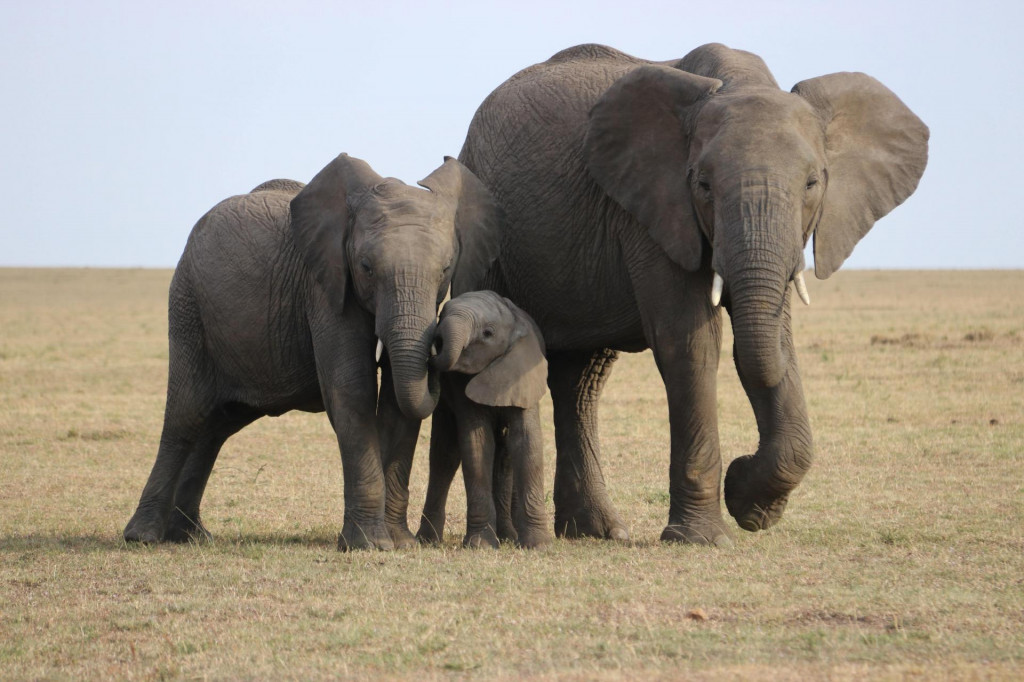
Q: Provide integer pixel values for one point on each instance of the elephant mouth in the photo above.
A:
(799, 285)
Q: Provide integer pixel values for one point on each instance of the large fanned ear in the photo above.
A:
(320, 221)
(519, 377)
(876, 150)
(477, 222)
(637, 149)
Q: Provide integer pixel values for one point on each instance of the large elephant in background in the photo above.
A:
(277, 304)
(639, 195)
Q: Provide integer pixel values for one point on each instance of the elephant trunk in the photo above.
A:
(757, 251)
(758, 299)
(451, 338)
(757, 266)
(407, 331)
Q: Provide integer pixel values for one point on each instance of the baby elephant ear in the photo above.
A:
(519, 377)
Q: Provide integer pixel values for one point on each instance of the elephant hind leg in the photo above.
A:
(195, 427)
(185, 523)
(582, 505)
(153, 513)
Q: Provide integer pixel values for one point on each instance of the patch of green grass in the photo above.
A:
(900, 555)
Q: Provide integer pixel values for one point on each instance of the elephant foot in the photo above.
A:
(186, 528)
(147, 530)
(698, 531)
(507, 530)
(534, 538)
(139, 533)
(590, 521)
(481, 539)
(401, 536)
(431, 531)
(754, 504)
(364, 536)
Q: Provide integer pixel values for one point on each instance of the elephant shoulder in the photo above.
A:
(279, 185)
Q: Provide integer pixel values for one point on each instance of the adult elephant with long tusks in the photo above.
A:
(278, 303)
(640, 195)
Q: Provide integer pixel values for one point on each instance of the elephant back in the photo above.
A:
(279, 185)
(521, 121)
(732, 67)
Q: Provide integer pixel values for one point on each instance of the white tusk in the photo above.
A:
(801, 288)
(716, 290)
(433, 349)
(380, 349)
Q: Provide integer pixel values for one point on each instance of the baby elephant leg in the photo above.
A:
(504, 480)
(476, 445)
(526, 454)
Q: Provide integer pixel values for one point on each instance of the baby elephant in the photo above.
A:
(492, 357)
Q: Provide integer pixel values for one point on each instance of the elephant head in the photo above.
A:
(485, 335)
(394, 250)
(724, 169)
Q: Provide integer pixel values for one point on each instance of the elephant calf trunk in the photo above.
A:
(452, 335)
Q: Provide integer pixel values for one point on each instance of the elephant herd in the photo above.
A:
(601, 203)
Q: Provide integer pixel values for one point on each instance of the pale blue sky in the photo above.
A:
(123, 122)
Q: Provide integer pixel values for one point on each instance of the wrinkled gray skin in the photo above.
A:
(277, 304)
(626, 184)
(492, 356)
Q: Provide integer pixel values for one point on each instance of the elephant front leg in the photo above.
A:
(684, 331)
(505, 497)
(444, 462)
(695, 468)
(476, 446)
(582, 505)
(757, 486)
(349, 389)
(397, 435)
(364, 526)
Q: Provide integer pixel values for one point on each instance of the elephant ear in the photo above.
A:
(637, 147)
(519, 377)
(477, 222)
(876, 150)
(320, 221)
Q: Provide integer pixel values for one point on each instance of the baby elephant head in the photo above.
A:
(483, 334)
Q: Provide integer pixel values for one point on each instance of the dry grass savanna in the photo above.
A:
(901, 555)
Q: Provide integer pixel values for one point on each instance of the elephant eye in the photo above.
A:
(365, 265)
(704, 185)
(488, 332)
(811, 183)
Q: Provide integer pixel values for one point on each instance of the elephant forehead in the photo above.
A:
(392, 203)
(758, 112)
(482, 306)
(746, 128)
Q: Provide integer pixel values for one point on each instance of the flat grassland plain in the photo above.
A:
(901, 555)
